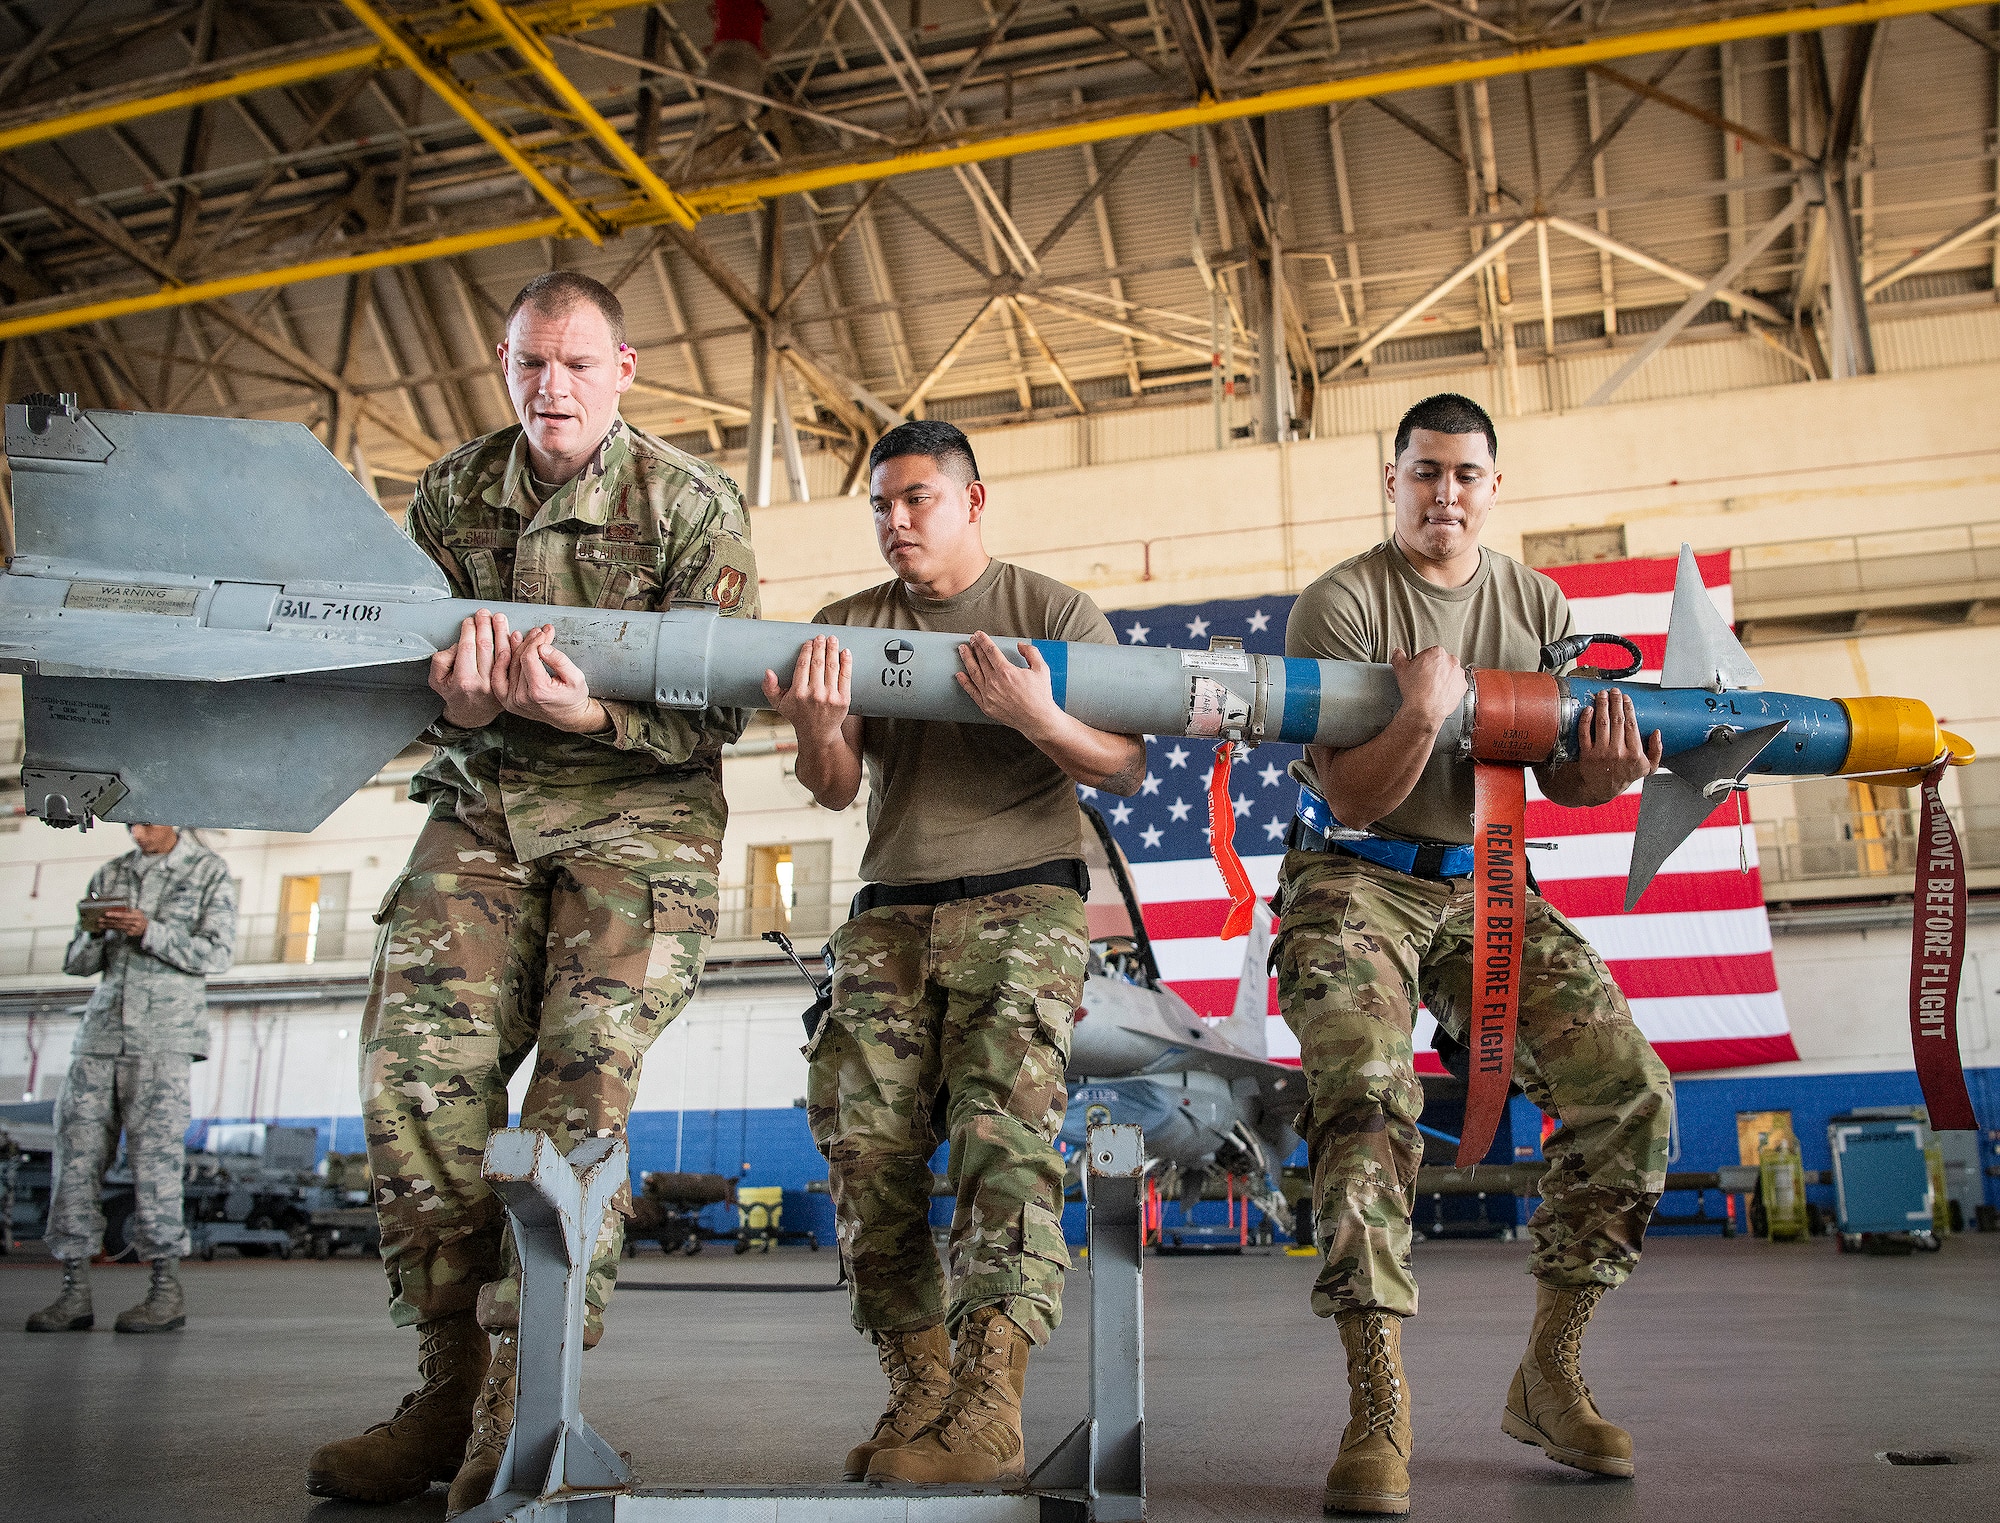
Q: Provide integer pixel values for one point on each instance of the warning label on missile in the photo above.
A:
(1213, 708)
(1215, 660)
(132, 597)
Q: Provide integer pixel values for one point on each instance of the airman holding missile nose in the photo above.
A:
(1374, 927)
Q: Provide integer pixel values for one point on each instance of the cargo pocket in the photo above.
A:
(1042, 1238)
(389, 899)
(681, 905)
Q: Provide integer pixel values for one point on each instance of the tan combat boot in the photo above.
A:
(1372, 1472)
(70, 1311)
(918, 1365)
(491, 1424)
(1549, 1404)
(164, 1310)
(976, 1439)
(425, 1440)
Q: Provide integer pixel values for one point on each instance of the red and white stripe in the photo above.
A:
(1694, 960)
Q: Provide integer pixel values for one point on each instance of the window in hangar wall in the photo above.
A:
(791, 888)
(312, 919)
(1757, 1130)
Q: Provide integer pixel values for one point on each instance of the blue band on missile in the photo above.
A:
(1301, 722)
(1056, 653)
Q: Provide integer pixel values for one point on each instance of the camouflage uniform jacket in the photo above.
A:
(642, 526)
(154, 995)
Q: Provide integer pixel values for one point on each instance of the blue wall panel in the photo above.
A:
(774, 1147)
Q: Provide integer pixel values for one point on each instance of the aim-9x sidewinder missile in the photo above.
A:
(216, 625)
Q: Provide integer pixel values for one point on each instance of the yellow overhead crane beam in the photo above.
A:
(536, 55)
(743, 194)
(397, 39)
(547, 16)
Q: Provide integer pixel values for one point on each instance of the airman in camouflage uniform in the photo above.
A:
(558, 902)
(959, 971)
(1372, 928)
(144, 1028)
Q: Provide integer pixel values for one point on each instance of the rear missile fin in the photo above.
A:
(240, 755)
(1702, 650)
(1675, 803)
(236, 499)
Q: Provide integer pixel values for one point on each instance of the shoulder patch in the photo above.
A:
(728, 577)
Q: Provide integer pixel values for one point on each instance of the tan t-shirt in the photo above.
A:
(1375, 603)
(963, 800)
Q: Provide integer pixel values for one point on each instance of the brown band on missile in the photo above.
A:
(1516, 717)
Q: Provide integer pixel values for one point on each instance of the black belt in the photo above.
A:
(1065, 872)
(1430, 856)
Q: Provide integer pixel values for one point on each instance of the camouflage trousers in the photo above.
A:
(582, 957)
(975, 996)
(148, 1098)
(1359, 945)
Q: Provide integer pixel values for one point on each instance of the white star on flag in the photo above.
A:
(1257, 621)
(1089, 793)
(1274, 829)
(1150, 785)
(1178, 810)
(1151, 836)
(1198, 628)
(1177, 757)
(1136, 635)
(1120, 813)
(1242, 806)
(1270, 774)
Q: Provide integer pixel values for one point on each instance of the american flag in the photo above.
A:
(1694, 959)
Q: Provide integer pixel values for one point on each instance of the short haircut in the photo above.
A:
(1447, 413)
(943, 442)
(555, 293)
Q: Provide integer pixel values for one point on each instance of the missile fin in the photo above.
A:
(137, 646)
(236, 499)
(1702, 650)
(273, 755)
(1675, 803)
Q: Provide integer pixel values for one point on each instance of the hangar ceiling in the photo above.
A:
(826, 214)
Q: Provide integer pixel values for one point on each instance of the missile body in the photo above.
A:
(217, 626)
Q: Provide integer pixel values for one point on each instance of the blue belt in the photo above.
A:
(1313, 826)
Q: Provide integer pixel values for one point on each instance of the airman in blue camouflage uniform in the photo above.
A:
(145, 1026)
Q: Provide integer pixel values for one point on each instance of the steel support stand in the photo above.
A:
(558, 1470)
(1104, 1456)
(555, 1467)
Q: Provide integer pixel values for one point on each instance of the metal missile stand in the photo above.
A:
(558, 1470)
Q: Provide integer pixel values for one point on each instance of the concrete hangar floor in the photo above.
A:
(1760, 1381)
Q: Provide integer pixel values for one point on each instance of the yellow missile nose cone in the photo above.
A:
(1896, 740)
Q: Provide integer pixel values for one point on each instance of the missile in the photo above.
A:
(216, 625)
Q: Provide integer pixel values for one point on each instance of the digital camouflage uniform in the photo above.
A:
(1359, 945)
(145, 1025)
(563, 893)
(976, 995)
